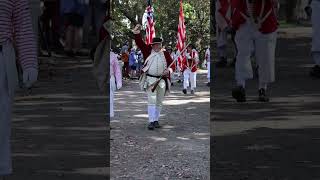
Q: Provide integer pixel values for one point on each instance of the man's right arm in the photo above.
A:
(140, 43)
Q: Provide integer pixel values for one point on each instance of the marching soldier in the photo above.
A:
(156, 74)
(256, 27)
(189, 69)
(223, 16)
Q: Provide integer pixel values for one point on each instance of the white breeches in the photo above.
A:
(155, 100)
(192, 76)
(248, 39)
(222, 40)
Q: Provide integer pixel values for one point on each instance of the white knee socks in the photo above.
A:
(154, 113)
(157, 113)
(151, 112)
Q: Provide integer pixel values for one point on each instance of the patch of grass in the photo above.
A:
(284, 24)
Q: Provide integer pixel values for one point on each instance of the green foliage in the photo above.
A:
(167, 18)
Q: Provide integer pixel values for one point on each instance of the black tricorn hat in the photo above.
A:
(156, 40)
(191, 45)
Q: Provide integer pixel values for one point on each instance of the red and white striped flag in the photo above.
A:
(181, 36)
(150, 30)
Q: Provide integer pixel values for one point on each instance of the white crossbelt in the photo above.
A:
(260, 20)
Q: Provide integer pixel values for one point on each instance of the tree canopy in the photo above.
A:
(127, 13)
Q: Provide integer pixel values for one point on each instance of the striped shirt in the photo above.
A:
(16, 26)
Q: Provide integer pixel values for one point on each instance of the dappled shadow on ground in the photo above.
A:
(60, 130)
(266, 153)
(180, 149)
(275, 140)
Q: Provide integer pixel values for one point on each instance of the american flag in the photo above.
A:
(181, 36)
(150, 30)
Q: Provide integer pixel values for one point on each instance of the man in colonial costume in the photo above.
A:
(223, 16)
(16, 26)
(155, 68)
(189, 69)
(315, 17)
(256, 24)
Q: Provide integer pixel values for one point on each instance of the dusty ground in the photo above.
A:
(59, 131)
(179, 150)
(272, 141)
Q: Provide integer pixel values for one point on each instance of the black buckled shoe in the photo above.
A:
(239, 94)
(192, 91)
(156, 124)
(315, 71)
(184, 91)
(263, 95)
(151, 126)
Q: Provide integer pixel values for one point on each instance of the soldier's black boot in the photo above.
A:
(156, 124)
(263, 95)
(151, 126)
(315, 71)
(239, 94)
(184, 91)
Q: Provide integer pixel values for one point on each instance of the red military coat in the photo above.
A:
(146, 50)
(223, 13)
(270, 22)
(191, 63)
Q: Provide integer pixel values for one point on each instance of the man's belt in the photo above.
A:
(153, 76)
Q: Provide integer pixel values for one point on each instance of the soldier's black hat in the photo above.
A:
(156, 40)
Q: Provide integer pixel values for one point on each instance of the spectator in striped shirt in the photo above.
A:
(17, 40)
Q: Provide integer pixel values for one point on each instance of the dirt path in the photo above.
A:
(59, 131)
(179, 150)
(277, 140)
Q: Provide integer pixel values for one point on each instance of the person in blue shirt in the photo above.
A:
(133, 61)
(73, 12)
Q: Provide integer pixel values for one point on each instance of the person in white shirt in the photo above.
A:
(207, 57)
